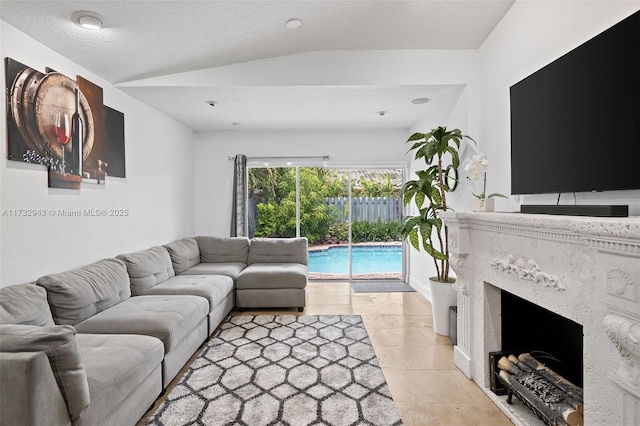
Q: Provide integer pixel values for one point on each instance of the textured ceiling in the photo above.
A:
(143, 39)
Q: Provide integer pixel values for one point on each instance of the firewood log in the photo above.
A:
(510, 367)
(572, 399)
(571, 389)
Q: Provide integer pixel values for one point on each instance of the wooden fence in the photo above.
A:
(370, 209)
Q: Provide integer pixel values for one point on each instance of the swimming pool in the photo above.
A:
(366, 259)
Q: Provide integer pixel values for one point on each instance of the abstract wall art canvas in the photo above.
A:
(63, 124)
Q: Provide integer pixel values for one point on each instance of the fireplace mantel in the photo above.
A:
(585, 269)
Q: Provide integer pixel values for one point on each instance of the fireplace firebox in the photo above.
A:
(551, 338)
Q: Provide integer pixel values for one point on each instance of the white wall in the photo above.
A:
(214, 171)
(531, 35)
(157, 192)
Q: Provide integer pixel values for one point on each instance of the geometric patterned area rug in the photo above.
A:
(283, 370)
(380, 287)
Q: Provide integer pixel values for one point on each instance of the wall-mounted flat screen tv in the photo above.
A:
(575, 124)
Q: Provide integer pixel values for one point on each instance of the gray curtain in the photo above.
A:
(239, 207)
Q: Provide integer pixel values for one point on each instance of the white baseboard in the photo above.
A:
(420, 287)
(462, 361)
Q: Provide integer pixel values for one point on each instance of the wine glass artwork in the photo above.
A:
(62, 127)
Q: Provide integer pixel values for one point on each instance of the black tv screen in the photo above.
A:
(575, 124)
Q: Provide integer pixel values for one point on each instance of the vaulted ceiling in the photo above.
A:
(177, 55)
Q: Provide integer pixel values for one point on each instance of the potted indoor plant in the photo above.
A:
(427, 230)
(476, 169)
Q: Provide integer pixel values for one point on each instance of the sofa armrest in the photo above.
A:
(29, 394)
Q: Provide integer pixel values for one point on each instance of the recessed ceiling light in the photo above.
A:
(293, 24)
(87, 20)
(419, 101)
(212, 103)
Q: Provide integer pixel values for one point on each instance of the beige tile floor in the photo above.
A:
(418, 364)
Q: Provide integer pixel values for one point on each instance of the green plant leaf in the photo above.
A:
(408, 225)
(436, 197)
(437, 222)
(455, 158)
(425, 229)
(419, 199)
(414, 239)
(496, 194)
(415, 137)
(435, 253)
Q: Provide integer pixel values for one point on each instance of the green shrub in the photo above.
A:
(339, 230)
(266, 220)
(363, 231)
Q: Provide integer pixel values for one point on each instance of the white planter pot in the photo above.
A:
(482, 205)
(443, 295)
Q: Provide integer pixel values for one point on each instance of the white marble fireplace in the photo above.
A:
(584, 269)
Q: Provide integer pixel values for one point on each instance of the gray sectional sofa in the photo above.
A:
(98, 344)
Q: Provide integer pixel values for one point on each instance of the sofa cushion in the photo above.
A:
(169, 318)
(147, 268)
(214, 288)
(83, 292)
(184, 254)
(116, 365)
(230, 269)
(24, 304)
(223, 249)
(273, 276)
(278, 250)
(59, 343)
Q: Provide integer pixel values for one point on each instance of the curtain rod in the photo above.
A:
(295, 157)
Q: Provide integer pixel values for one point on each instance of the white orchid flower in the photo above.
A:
(477, 166)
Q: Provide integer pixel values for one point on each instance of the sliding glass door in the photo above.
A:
(351, 217)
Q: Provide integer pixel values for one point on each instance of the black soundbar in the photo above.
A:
(577, 210)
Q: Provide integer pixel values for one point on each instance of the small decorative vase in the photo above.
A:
(443, 295)
(482, 204)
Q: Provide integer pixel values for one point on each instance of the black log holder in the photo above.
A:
(510, 393)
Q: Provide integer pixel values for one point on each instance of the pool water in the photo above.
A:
(366, 259)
